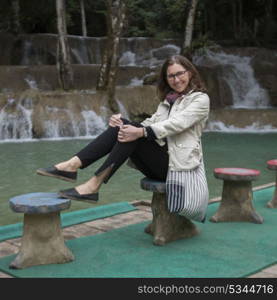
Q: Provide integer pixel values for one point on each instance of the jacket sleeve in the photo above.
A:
(152, 119)
(179, 121)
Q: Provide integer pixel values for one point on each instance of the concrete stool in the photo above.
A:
(42, 240)
(165, 226)
(272, 165)
(236, 202)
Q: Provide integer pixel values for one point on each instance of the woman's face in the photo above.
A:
(178, 77)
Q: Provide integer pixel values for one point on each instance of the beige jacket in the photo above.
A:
(182, 127)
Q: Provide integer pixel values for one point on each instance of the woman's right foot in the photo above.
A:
(73, 194)
(53, 171)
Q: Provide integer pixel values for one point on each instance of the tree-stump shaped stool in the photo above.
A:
(42, 241)
(272, 165)
(165, 227)
(237, 195)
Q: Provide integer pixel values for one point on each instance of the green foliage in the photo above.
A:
(176, 13)
(39, 16)
(202, 43)
(5, 16)
(156, 18)
(95, 17)
(244, 21)
(35, 16)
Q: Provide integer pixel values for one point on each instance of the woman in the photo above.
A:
(166, 146)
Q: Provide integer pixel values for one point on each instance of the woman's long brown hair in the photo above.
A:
(196, 84)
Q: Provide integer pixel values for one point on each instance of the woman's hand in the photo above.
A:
(129, 133)
(115, 120)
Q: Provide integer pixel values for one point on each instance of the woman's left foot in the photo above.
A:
(73, 194)
(56, 173)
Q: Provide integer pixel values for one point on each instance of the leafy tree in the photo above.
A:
(242, 22)
(155, 18)
(38, 16)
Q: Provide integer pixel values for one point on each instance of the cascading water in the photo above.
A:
(80, 54)
(248, 97)
(218, 126)
(122, 109)
(31, 82)
(142, 57)
(64, 123)
(27, 47)
(246, 91)
(128, 58)
(151, 58)
(15, 120)
(93, 124)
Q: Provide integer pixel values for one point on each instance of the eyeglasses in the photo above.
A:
(178, 75)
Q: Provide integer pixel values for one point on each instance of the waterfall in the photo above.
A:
(31, 82)
(122, 110)
(140, 58)
(15, 120)
(152, 58)
(136, 82)
(64, 123)
(52, 129)
(93, 124)
(80, 53)
(246, 90)
(128, 58)
(218, 126)
(27, 49)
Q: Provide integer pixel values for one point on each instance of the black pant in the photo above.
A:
(150, 158)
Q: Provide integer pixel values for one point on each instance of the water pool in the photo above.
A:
(20, 160)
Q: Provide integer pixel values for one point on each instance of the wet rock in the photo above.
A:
(151, 79)
(218, 89)
(264, 64)
(164, 52)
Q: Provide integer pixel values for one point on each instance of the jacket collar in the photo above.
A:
(179, 98)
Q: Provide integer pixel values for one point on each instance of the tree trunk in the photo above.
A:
(116, 14)
(189, 27)
(63, 55)
(83, 14)
(16, 16)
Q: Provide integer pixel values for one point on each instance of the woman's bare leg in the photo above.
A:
(93, 184)
(71, 165)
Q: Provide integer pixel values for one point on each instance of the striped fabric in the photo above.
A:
(187, 193)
